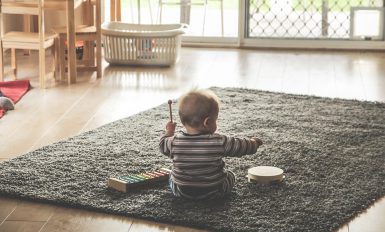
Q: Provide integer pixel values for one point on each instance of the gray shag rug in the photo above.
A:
(332, 152)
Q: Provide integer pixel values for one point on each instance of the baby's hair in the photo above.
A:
(196, 105)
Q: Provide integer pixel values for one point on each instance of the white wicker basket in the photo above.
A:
(141, 44)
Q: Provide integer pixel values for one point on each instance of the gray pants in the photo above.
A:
(204, 193)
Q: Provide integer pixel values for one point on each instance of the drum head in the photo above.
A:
(265, 174)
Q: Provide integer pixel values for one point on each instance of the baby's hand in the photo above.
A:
(170, 128)
(257, 140)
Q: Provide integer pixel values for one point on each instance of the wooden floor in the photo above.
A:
(47, 115)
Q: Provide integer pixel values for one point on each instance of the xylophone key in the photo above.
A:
(159, 173)
(137, 177)
(149, 177)
(128, 179)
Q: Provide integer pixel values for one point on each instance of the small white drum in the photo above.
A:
(265, 175)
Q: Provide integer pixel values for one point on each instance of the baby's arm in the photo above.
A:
(241, 146)
(166, 140)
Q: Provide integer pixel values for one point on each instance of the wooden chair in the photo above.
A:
(13, 40)
(90, 34)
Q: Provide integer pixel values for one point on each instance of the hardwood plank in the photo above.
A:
(137, 95)
(350, 81)
(373, 81)
(23, 111)
(69, 124)
(21, 226)
(186, 229)
(344, 228)
(8, 205)
(370, 220)
(31, 211)
(76, 220)
(44, 117)
(140, 225)
(321, 74)
(113, 111)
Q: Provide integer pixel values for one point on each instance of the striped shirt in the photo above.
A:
(197, 159)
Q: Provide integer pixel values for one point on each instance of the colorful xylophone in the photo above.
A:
(132, 181)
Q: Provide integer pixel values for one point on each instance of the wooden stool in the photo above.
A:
(90, 34)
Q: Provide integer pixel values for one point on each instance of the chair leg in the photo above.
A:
(1, 62)
(27, 28)
(90, 52)
(42, 68)
(61, 56)
(13, 62)
(55, 52)
(98, 42)
(98, 58)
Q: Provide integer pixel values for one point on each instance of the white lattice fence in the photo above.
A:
(317, 19)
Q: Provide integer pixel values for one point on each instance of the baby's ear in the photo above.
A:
(206, 122)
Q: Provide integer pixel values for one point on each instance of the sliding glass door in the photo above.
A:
(265, 23)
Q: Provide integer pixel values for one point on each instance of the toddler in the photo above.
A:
(198, 170)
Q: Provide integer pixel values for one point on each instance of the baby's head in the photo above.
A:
(198, 111)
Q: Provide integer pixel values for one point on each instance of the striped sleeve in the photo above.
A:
(239, 146)
(165, 145)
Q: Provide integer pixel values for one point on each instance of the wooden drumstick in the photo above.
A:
(169, 106)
